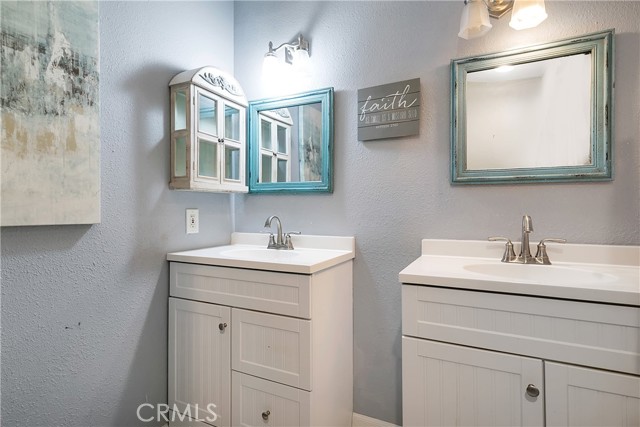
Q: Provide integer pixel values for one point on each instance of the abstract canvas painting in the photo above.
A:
(50, 154)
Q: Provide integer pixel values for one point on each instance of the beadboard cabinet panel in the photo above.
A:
(277, 348)
(450, 385)
(199, 358)
(280, 293)
(600, 335)
(582, 397)
(257, 402)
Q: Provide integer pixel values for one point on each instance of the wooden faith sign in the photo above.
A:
(389, 111)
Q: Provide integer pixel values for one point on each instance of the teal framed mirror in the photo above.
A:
(291, 143)
(535, 114)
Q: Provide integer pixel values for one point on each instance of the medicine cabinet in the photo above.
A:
(208, 132)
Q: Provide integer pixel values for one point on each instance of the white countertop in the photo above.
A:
(468, 265)
(248, 250)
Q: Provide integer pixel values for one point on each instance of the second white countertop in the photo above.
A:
(615, 280)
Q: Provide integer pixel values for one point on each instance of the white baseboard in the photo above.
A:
(364, 421)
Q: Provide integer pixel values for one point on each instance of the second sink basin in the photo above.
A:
(543, 274)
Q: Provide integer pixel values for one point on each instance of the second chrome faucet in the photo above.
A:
(525, 256)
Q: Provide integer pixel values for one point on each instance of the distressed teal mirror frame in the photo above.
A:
(322, 96)
(600, 46)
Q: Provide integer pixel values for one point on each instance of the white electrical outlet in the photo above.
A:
(193, 221)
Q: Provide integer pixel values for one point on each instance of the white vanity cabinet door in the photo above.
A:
(273, 347)
(199, 359)
(259, 403)
(587, 397)
(451, 385)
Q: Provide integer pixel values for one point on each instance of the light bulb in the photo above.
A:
(527, 14)
(475, 20)
(301, 62)
(270, 67)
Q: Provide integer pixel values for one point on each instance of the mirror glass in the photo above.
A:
(538, 114)
(290, 143)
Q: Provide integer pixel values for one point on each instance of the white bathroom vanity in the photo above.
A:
(491, 343)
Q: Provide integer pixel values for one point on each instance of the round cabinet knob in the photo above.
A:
(222, 326)
(265, 415)
(533, 390)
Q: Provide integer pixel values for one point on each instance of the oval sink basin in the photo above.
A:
(262, 255)
(542, 274)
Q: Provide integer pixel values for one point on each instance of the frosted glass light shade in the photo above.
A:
(527, 14)
(270, 67)
(301, 62)
(475, 20)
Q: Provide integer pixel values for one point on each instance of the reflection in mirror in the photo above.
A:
(290, 142)
(536, 114)
(520, 103)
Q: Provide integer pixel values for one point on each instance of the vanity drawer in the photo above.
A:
(273, 347)
(599, 335)
(258, 402)
(281, 293)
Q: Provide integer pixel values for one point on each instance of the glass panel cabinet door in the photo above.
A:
(207, 115)
(265, 166)
(265, 134)
(180, 162)
(283, 146)
(231, 123)
(180, 110)
(231, 163)
(283, 170)
(208, 158)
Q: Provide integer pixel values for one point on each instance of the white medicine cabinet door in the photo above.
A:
(208, 136)
(233, 163)
(220, 130)
(451, 385)
(585, 397)
(199, 360)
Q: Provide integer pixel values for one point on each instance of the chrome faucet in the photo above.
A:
(525, 256)
(281, 240)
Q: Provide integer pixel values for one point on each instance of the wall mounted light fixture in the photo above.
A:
(296, 54)
(475, 15)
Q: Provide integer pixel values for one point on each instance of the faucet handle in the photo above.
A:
(509, 254)
(541, 253)
(287, 239)
(272, 241)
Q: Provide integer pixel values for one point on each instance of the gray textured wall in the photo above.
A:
(390, 194)
(84, 308)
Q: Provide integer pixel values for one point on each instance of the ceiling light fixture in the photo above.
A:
(474, 21)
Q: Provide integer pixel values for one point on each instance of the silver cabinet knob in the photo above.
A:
(533, 390)
(265, 415)
(222, 326)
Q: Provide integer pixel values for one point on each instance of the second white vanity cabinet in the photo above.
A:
(472, 356)
(267, 348)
